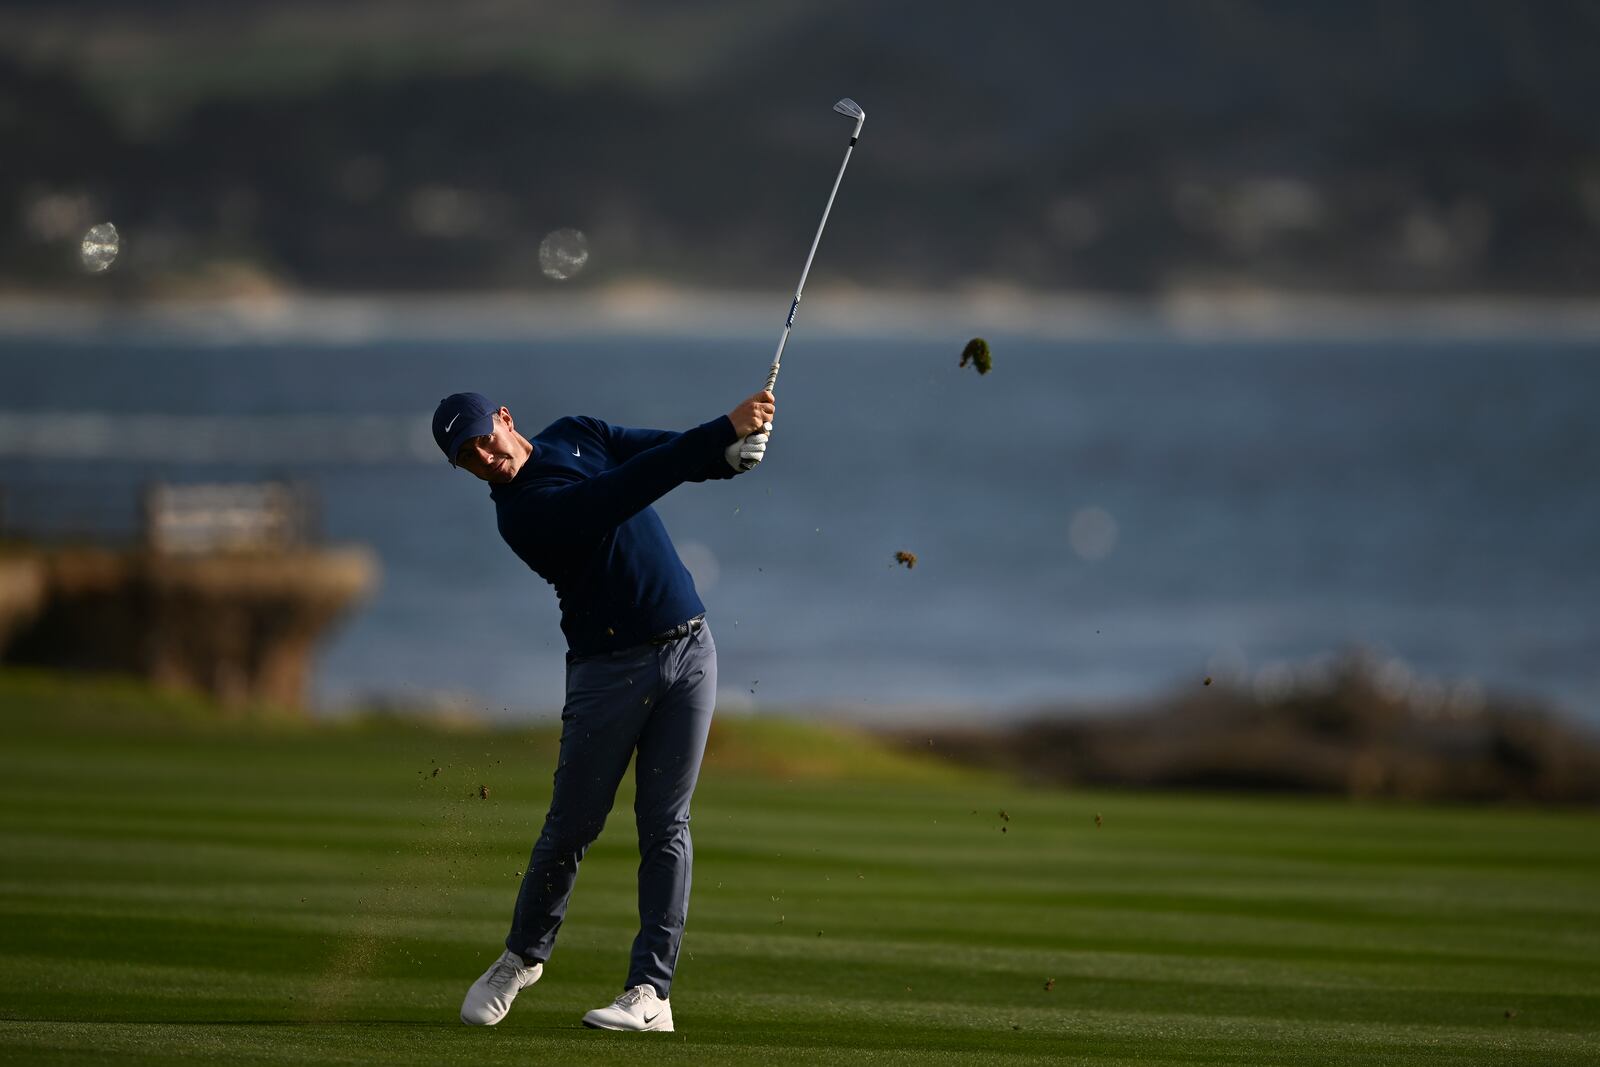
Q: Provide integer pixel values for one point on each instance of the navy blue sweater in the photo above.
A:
(578, 513)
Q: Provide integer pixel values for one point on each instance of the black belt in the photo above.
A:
(683, 629)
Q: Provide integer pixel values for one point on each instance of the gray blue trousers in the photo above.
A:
(657, 699)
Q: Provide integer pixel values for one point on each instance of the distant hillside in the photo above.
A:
(1360, 147)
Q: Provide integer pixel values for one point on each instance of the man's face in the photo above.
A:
(494, 457)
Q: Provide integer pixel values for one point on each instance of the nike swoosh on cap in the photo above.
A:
(452, 421)
(576, 451)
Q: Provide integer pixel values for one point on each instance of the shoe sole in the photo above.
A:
(629, 1030)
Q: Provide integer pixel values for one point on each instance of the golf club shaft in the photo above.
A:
(777, 359)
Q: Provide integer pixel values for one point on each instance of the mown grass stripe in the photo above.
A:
(317, 896)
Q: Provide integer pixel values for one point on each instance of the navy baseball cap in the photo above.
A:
(459, 418)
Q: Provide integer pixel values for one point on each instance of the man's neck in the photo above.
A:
(525, 452)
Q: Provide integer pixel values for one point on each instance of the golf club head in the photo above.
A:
(850, 109)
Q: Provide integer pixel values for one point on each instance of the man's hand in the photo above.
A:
(753, 421)
(746, 452)
(753, 414)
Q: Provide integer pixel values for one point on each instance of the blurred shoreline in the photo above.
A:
(654, 310)
(1345, 727)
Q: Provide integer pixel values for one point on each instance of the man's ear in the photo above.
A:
(505, 414)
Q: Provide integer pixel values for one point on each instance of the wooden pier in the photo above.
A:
(220, 597)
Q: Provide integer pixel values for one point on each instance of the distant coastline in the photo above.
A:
(649, 309)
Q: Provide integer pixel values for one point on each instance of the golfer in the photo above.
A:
(574, 503)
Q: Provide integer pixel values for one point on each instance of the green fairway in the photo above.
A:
(179, 890)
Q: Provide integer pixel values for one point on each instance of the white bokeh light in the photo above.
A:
(99, 247)
(1093, 533)
(563, 253)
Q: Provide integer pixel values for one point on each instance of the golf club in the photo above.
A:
(850, 109)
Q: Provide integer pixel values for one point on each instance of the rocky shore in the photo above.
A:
(1347, 734)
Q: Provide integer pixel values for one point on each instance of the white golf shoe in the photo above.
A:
(491, 995)
(637, 1009)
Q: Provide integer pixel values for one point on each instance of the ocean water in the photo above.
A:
(1096, 521)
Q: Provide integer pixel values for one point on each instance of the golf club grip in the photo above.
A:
(772, 381)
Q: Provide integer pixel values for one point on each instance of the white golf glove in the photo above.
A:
(745, 453)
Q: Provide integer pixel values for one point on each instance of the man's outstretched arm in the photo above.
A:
(608, 499)
(624, 443)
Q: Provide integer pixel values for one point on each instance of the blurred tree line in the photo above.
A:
(1360, 147)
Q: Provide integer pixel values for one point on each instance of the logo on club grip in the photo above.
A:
(792, 306)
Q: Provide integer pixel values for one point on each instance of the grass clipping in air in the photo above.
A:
(977, 351)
